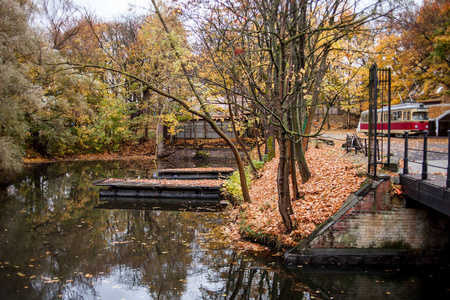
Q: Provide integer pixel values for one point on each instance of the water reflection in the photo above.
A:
(60, 241)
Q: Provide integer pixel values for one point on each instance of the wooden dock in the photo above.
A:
(169, 185)
(160, 189)
(194, 173)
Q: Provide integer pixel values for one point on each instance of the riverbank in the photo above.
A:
(335, 175)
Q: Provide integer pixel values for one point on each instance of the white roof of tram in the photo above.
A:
(408, 105)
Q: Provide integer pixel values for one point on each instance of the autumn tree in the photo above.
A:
(19, 96)
(161, 85)
(277, 55)
(61, 18)
(420, 49)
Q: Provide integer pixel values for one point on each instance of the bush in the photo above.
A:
(232, 186)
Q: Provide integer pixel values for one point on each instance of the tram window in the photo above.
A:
(399, 115)
(409, 116)
(394, 116)
(420, 116)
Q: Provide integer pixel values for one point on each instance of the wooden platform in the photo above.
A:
(194, 173)
(159, 189)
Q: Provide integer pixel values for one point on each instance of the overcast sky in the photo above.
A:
(108, 9)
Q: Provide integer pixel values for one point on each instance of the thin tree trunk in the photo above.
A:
(292, 158)
(293, 170)
(238, 139)
(258, 146)
(283, 185)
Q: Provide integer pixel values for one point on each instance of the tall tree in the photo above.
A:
(19, 97)
(422, 48)
(277, 54)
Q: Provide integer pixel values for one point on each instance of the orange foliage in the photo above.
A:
(333, 179)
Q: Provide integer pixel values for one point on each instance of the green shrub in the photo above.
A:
(232, 186)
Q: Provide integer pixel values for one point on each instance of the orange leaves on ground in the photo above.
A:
(333, 179)
(166, 182)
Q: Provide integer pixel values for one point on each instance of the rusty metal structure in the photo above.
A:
(379, 95)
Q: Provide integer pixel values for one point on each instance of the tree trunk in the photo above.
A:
(301, 161)
(283, 185)
(298, 147)
(257, 135)
(238, 139)
(292, 157)
(293, 170)
(237, 156)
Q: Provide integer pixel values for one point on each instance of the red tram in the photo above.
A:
(412, 117)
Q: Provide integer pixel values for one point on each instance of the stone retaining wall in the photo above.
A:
(377, 224)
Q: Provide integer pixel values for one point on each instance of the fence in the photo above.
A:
(424, 162)
(199, 129)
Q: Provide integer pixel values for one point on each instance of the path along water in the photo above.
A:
(58, 243)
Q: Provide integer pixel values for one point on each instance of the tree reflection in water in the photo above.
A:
(56, 244)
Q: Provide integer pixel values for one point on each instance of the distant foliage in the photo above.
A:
(10, 157)
(20, 97)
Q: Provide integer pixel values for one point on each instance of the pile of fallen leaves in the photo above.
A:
(164, 182)
(334, 178)
(198, 170)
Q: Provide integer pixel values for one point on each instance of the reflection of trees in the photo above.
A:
(49, 229)
(53, 228)
(247, 279)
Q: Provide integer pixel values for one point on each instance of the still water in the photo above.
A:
(59, 241)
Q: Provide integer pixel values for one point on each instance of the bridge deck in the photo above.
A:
(431, 193)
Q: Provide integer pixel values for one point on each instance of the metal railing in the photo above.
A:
(424, 162)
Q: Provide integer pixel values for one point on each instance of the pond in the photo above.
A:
(59, 241)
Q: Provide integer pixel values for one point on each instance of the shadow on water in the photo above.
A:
(166, 204)
(61, 241)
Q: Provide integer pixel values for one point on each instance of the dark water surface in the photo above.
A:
(57, 241)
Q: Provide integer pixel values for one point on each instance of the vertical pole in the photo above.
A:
(346, 143)
(375, 121)
(389, 118)
(448, 161)
(405, 157)
(365, 147)
(425, 155)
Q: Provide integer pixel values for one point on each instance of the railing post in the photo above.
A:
(365, 147)
(448, 161)
(405, 157)
(346, 143)
(425, 155)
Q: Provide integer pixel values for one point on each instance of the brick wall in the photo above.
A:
(381, 222)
